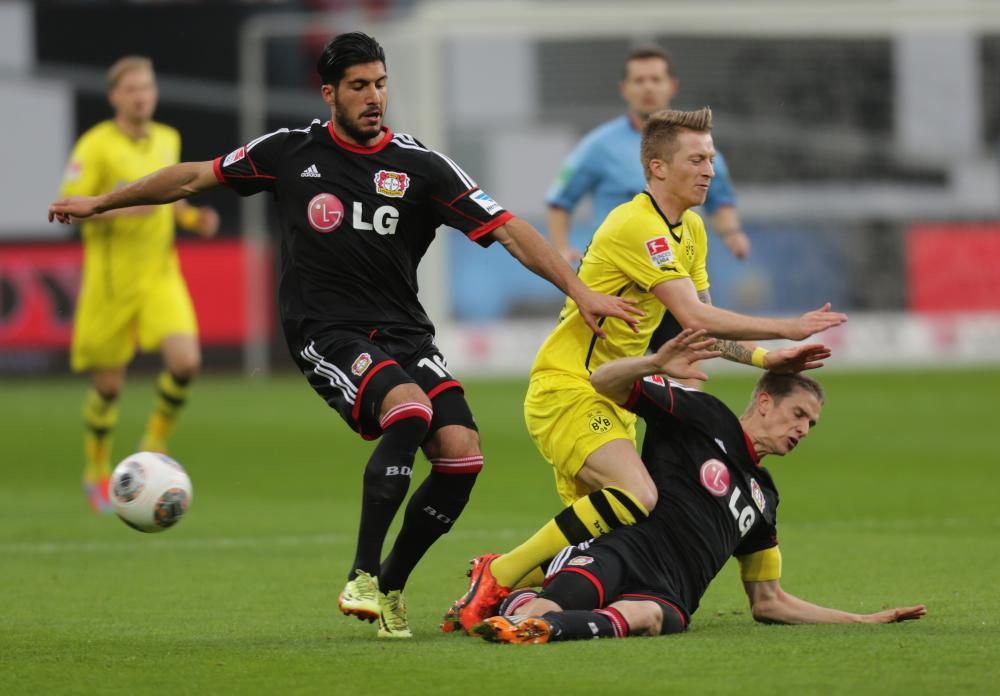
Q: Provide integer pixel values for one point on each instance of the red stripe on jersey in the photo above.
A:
(633, 397)
(463, 194)
(450, 384)
(224, 178)
(491, 225)
(356, 410)
(360, 149)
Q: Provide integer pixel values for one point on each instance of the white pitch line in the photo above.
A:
(217, 543)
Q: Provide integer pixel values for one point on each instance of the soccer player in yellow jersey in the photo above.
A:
(132, 292)
(653, 250)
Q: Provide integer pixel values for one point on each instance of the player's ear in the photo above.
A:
(764, 403)
(329, 94)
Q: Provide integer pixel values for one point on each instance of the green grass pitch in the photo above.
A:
(891, 501)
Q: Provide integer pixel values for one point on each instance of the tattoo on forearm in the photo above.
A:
(704, 296)
(734, 351)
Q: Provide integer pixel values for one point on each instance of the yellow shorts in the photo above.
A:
(106, 332)
(568, 421)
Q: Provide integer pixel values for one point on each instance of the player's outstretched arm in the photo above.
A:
(680, 297)
(527, 245)
(771, 604)
(677, 358)
(162, 186)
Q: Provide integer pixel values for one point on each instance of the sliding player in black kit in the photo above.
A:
(358, 207)
(716, 501)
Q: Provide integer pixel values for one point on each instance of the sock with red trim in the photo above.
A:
(430, 514)
(387, 479)
(585, 625)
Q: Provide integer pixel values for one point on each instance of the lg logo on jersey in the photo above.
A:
(326, 213)
(715, 478)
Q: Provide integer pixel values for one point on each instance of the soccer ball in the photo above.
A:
(150, 492)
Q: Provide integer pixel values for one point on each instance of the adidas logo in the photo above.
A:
(310, 171)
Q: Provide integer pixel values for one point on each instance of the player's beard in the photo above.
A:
(358, 134)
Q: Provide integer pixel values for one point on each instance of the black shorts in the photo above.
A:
(596, 575)
(352, 370)
(668, 328)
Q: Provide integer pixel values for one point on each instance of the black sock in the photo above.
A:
(387, 478)
(584, 625)
(430, 514)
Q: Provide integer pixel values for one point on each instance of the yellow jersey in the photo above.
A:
(128, 253)
(634, 250)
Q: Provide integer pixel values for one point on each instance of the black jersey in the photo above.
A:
(355, 221)
(715, 500)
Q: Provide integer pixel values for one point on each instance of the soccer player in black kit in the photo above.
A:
(716, 501)
(358, 207)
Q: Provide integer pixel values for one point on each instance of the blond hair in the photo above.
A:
(659, 135)
(125, 65)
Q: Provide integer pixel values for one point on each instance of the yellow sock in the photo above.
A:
(536, 578)
(587, 518)
(171, 394)
(99, 418)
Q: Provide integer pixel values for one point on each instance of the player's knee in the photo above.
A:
(109, 393)
(109, 387)
(643, 618)
(628, 506)
(453, 442)
(647, 497)
(405, 425)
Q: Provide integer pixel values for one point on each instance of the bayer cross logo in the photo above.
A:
(599, 422)
(325, 213)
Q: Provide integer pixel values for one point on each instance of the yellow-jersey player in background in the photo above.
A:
(652, 249)
(132, 293)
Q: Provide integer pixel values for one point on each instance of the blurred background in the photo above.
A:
(863, 141)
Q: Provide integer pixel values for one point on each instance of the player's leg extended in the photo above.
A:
(100, 415)
(404, 417)
(570, 608)
(576, 429)
(182, 361)
(622, 494)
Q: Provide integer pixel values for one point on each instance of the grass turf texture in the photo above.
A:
(891, 501)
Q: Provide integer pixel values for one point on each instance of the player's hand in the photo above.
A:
(594, 305)
(66, 209)
(738, 244)
(679, 356)
(208, 222)
(572, 255)
(814, 322)
(897, 615)
(786, 361)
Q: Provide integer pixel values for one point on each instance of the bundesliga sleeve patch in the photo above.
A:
(234, 156)
(659, 251)
(483, 200)
(73, 171)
